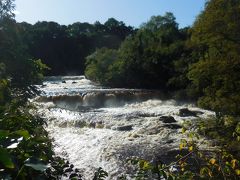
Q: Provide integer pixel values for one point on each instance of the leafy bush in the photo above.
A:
(194, 161)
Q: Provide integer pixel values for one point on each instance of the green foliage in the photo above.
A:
(100, 66)
(21, 136)
(6, 9)
(147, 55)
(216, 37)
(36, 164)
(64, 48)
(194, 161)
(25, 149)
(5, 158)
(100, 174)
(225, 131)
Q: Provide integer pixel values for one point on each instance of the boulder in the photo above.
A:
(186, 112)
(172, 126)
(92, 125)
(63, 81)
(167, 119)
(170, 141)
(123, 128)
(43, 85)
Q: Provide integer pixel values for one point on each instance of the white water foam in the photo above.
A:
(89, 136)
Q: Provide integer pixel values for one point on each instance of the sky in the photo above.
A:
(131, 12)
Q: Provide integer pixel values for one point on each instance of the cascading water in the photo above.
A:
(96, 127)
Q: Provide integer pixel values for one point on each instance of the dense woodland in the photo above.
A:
(200, 63)
(64, 48)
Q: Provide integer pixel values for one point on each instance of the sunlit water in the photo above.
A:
(87, 123)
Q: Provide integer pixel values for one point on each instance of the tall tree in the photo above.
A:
(145, 59)
(6, 9)
(20, 69)
(216, 36)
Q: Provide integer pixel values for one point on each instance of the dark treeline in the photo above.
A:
(64, 48)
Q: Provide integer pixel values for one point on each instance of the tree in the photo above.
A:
(157, 22)
(99, 66)
(64, 48)
(216, 36)
(145, 59)
(6, 9)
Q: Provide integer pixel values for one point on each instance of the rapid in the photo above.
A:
(94, 127)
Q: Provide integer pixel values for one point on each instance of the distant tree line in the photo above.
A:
(64, 48)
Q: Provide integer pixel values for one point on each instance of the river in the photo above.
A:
(96, 127)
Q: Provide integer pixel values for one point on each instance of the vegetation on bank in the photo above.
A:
(64, 48)
(25, 148)
(201, 62)
(144, 59)
(209, 149)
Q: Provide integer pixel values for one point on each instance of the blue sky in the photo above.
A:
(132, 12)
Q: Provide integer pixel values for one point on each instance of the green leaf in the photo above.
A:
(4, 133)
(25, 134)
(36, 164)
(100, 174)
(164, 174)
(5, 158)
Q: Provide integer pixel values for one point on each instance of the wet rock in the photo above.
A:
(135, 135)
(146, 115)
(74, 82)
(167, 119)
(80, 124)
(173, 126)
(170, 141)
(44, 85)
(123, 128)
(63, 81)
(92, 125)
(152, 130)
(63, 124)
(99, 125)
(186, 112)
(67, 170)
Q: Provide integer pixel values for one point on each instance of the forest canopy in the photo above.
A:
(64, 48)
(199, 62)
